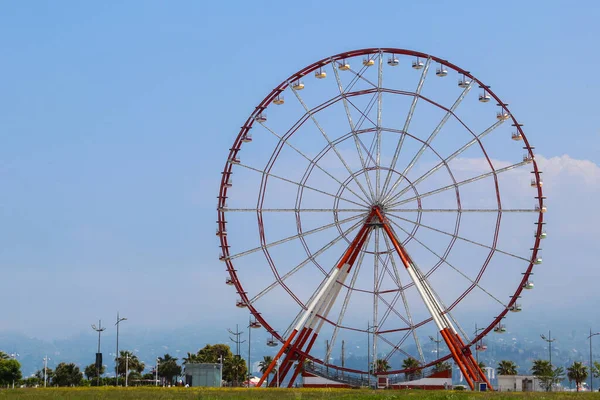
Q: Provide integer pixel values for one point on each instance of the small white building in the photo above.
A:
(518, 383)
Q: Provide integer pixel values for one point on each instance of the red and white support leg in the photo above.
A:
(319, 306)
(461, 354)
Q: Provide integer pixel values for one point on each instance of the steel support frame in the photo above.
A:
(320, 306)
(460, 353)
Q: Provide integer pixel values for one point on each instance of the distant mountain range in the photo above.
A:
(520, 346)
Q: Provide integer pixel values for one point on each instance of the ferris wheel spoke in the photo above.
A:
(411, 111)
(396, 347)
(465, 210)
(333, 147)
(317, 210)
(359, 76)
(312, 162)
(404, 299)
(269, 174)
(364, 115)
(375, 291)
(427, 143)
(379, 110)
(304, 263)
(476, 139)
(293, 237)
(357, 140)
(350, 289)
(459, 237)
(443, 259)
(461, 183)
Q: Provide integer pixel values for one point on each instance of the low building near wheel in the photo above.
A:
(518, 383)
(203, 374)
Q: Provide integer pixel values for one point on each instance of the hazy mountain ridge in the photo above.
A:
(520, 345)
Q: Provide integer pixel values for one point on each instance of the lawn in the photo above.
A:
(296, 394)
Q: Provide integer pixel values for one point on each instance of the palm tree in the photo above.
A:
(442, 366)
(264, 365)
(506, 367)
(578, 373)
(411, 364)
(382, 365)
(191, 358)
(541, 368)
(129, 361)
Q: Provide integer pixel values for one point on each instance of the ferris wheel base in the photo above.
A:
(315, 378)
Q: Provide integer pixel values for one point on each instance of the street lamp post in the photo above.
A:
(14, 357)
(549, 340)
(591, 360)
(117, 356)
(156, 372)
(46, 359)
(277, 372)
(98, 329)
(126, 368)
(437, 341)
(221, 370)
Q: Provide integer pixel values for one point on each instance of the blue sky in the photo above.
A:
(116, 118)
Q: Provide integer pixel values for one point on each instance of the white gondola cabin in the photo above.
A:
(279, 100)
(368, 62)
(261, 117)
(255, 324)
(393, 61)
(441, 71)
(247, 138)
(417, 64)
(464, 82)
(500, 328)
(516, 136)
(234, 160)
(542, 235)
(502, 115)
(535, 183)
(484, 97)
(298, 85)
(229, 282)
(320, 74)
(541, 209)
(221, 232)
(271, 343)
(527, 158)
(516, 308)
(528, 285)
(240, 303)
(343, 65)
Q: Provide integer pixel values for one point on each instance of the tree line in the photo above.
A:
(235, 371)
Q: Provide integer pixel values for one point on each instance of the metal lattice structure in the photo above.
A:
(404, 210)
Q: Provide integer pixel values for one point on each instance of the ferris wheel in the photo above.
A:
(381, 194)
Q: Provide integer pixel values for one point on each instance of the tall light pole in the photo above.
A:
(549, 340)
(14, 357)
(126, 368)
(46, 359)
(591, 360)
(277, 372)
(437, 342)
(98, 329)
(117, 357)
(156, 372)
(369, 327)
(221, 370)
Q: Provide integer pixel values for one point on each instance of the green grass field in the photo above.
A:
(296, 394)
